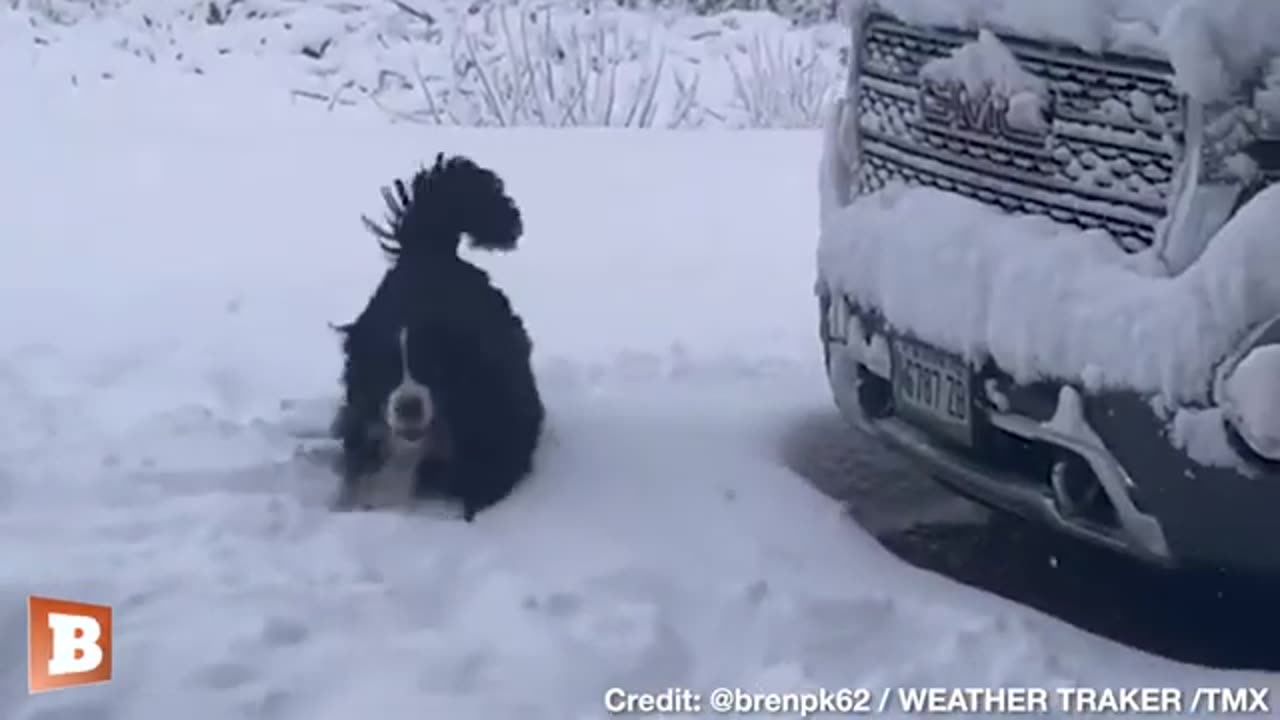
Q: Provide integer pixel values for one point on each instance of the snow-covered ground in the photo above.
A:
(174, 247)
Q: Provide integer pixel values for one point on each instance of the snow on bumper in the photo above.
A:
(1048, 301)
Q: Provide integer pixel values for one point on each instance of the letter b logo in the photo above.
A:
(69, 644)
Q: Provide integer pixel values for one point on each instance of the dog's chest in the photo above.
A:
(393, 484)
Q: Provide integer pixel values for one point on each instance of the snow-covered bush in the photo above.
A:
(528, 65)
(561, 65)
(490, 62)
(801, 11)
(783, 80)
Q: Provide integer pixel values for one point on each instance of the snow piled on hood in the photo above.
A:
(1046, 300)
(1214, 45)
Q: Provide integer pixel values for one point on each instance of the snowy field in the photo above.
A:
(174, 247)
(442, 62)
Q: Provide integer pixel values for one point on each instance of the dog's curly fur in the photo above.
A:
(464, 342)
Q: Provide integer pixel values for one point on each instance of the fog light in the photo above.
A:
(1251, 400)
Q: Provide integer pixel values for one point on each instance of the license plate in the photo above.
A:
(932, 386)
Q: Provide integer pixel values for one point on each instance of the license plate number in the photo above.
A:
(932, 386)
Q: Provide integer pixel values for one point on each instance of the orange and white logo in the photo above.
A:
(68, 644)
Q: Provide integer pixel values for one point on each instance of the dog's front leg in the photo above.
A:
(353, 477)
(433, 475)
(349, 493)
(361, 456)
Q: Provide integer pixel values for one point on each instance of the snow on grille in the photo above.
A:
(1101, 154)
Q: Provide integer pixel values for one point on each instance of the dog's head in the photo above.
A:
(410, 407)
(395, 374)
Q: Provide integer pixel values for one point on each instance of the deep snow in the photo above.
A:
(174, 247)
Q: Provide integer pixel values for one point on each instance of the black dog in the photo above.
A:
(437, 371)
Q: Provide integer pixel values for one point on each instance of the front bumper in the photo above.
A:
(1161, 506)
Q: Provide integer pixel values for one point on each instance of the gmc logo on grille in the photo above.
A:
(950, 104)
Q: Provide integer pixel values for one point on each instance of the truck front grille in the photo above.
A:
(1115, 132)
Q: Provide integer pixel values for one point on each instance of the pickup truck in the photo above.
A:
(1049, 263)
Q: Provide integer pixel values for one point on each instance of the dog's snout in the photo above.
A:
(410, 409)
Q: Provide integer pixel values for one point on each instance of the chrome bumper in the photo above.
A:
(1139, 533)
